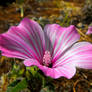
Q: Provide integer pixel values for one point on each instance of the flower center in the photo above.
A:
(47, 58)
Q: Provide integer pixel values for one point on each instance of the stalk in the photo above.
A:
(21, 11)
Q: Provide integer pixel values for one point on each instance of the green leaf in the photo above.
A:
(33, 70)
(17, 86)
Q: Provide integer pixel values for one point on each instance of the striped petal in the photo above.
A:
(24, 41)
(89, 30)
(80, 55)
(67, 70)
(31, 62)
(61, 38)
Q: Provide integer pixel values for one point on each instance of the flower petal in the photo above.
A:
(67, 70)
(80, 55)
(89, 30)
(27, 40)
(61, 38)
(31, 62)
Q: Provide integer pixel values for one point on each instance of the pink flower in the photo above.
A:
(89, 30)
(55, 50)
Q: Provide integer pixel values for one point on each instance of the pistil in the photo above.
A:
(47, 58)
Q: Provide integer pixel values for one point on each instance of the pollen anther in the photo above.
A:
(47, 58)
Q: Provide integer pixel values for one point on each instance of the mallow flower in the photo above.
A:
(54, 50)
(89, 30)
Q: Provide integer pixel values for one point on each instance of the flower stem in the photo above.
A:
(43, 82)
(81, 33)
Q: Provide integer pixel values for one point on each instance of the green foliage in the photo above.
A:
(66, 21)
(17, 71)
(88, 1)
(48, 85)
(35, 81)
(17, 86)
(33, 70)
(19, 1)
